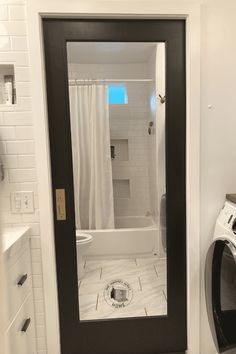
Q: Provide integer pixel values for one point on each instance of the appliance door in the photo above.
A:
(220, 290)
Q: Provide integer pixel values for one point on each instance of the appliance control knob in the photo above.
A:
(234, 226)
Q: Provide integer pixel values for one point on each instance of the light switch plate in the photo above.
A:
(22, 202)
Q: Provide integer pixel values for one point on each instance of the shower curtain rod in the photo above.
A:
(76, 81)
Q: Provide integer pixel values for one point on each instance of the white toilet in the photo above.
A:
(83, 242)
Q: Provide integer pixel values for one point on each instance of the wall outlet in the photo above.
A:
(22, 202)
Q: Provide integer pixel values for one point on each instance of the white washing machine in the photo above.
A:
(220, 279)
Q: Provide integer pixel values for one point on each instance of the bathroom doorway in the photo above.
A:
(118, 146)
(116, 111)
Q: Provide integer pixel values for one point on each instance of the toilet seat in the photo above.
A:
(82, 238)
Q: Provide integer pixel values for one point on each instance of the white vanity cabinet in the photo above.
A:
(19, 312)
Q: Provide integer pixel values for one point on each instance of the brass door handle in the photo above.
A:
(61, 204)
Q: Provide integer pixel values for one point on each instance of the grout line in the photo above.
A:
(164, 294)
(155, 270)
(145, 311)
(97, 302)
(19, 110)
(22, 20)
(101, 274)
(14, 35)
(140, 284)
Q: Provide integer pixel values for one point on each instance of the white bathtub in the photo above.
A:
(134, 235)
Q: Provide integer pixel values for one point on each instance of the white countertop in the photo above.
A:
(14, 237)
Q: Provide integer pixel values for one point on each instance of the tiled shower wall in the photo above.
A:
(152, 140)
(130, 122)
(17, 145)
(127, 122)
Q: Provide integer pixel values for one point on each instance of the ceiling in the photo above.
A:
(109, 52)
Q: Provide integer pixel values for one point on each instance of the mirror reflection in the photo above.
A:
(117, 114)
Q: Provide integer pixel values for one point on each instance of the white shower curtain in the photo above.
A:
(91, 157)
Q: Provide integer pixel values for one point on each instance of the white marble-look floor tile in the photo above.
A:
(127, 312)
(96, 315)
(91, 276)
(162, 275)
(146, 261)
(118, 271)
(94, 264)
(99, 286)
(156, 304)
(147, 270)
(87, 303)
(148, 282)
(149, 297)
(131, 271)
(158, 310)
(91, 288)
(160, 265)
(146, 276)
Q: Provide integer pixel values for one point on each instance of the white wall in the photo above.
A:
(218, 125)
(107, 71)
(17, 145)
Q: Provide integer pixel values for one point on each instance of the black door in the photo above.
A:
(220, 287)
(163, 334)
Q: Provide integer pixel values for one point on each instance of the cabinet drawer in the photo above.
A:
(15, 251)
(18, 284)
(20, 335)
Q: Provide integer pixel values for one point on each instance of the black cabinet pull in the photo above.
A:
(26, 325)
(22, 280)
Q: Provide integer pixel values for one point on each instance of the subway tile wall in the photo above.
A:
(17, 145)
(130, 122)
(153, 166)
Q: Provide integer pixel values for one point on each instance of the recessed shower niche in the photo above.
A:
(119, 150)
(7, 85)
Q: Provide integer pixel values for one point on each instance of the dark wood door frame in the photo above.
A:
(166, 334)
